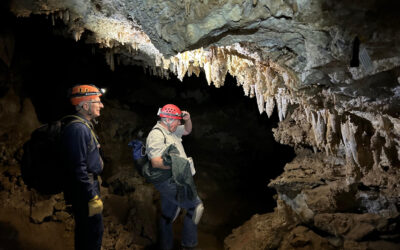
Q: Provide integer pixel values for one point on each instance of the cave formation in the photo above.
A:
(295, 106)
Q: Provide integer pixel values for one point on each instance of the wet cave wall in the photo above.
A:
(322, 75)
(232, 144)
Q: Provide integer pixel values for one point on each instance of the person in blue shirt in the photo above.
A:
(83, 165)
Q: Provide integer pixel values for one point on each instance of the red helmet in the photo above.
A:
(170, 111)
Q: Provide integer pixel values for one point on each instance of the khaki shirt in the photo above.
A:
(155, 145)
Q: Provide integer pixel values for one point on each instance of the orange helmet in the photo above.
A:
(81, 93)
(170, 111)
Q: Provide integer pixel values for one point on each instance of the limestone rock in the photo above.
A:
(124, 241)
(353, 227)
(260, 232)
(304, 238)
(42, 210)
(61, 216)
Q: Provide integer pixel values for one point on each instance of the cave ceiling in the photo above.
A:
(332, 66)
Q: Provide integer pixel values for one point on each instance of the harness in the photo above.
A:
(81, 120)
(92, 176)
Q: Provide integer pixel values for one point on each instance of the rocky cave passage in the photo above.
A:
(232, 144)
(329, 69)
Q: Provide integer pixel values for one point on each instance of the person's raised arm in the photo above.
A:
(188, 123)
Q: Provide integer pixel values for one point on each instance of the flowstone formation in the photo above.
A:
(331, 70)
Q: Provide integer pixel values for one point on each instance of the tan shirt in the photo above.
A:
(155, 145)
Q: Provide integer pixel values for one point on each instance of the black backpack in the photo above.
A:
(140, 159)
(42, 167)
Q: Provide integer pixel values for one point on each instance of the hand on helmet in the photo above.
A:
(185, 115)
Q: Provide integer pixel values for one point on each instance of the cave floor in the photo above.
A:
(17, 232)
(226, 207)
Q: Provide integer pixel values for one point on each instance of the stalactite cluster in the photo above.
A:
(270, 83)
(275, 86)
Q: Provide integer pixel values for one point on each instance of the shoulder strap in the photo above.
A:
(165, 139)
(81, 120)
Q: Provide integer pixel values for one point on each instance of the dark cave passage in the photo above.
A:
(232, 144)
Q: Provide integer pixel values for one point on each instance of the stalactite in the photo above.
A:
(77, 34)
(319, 128)
(166, 63)
(348, 130)
(189, 63)
(174, 62)
(107, 43)
(260, 98)
(281, 103)
(279, 106)
(158, 61)
(246, 89)
(259, 89)
(207, 71)
(332, 121)
(110, 59)
(285, 103)
(331, 133)
(218, 67)
(190, 69)
(181, 67)
(66, 17)
(269, 106)
(135, 46)
(199, 58)
(324, 115)
(252, 90)
(308, 113)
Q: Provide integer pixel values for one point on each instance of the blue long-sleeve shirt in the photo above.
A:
(83, 161)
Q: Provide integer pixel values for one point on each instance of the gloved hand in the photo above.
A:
(95, 206)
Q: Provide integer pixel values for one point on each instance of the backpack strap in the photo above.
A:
(81, 120)
(165, 139)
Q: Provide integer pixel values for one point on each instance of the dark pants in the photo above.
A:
(169, 206)
(88, 230)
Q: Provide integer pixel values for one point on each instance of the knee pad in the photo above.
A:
(171, 219)
(178, 209)
(198, 213)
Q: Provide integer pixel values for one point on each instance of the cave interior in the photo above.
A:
(296, 128)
